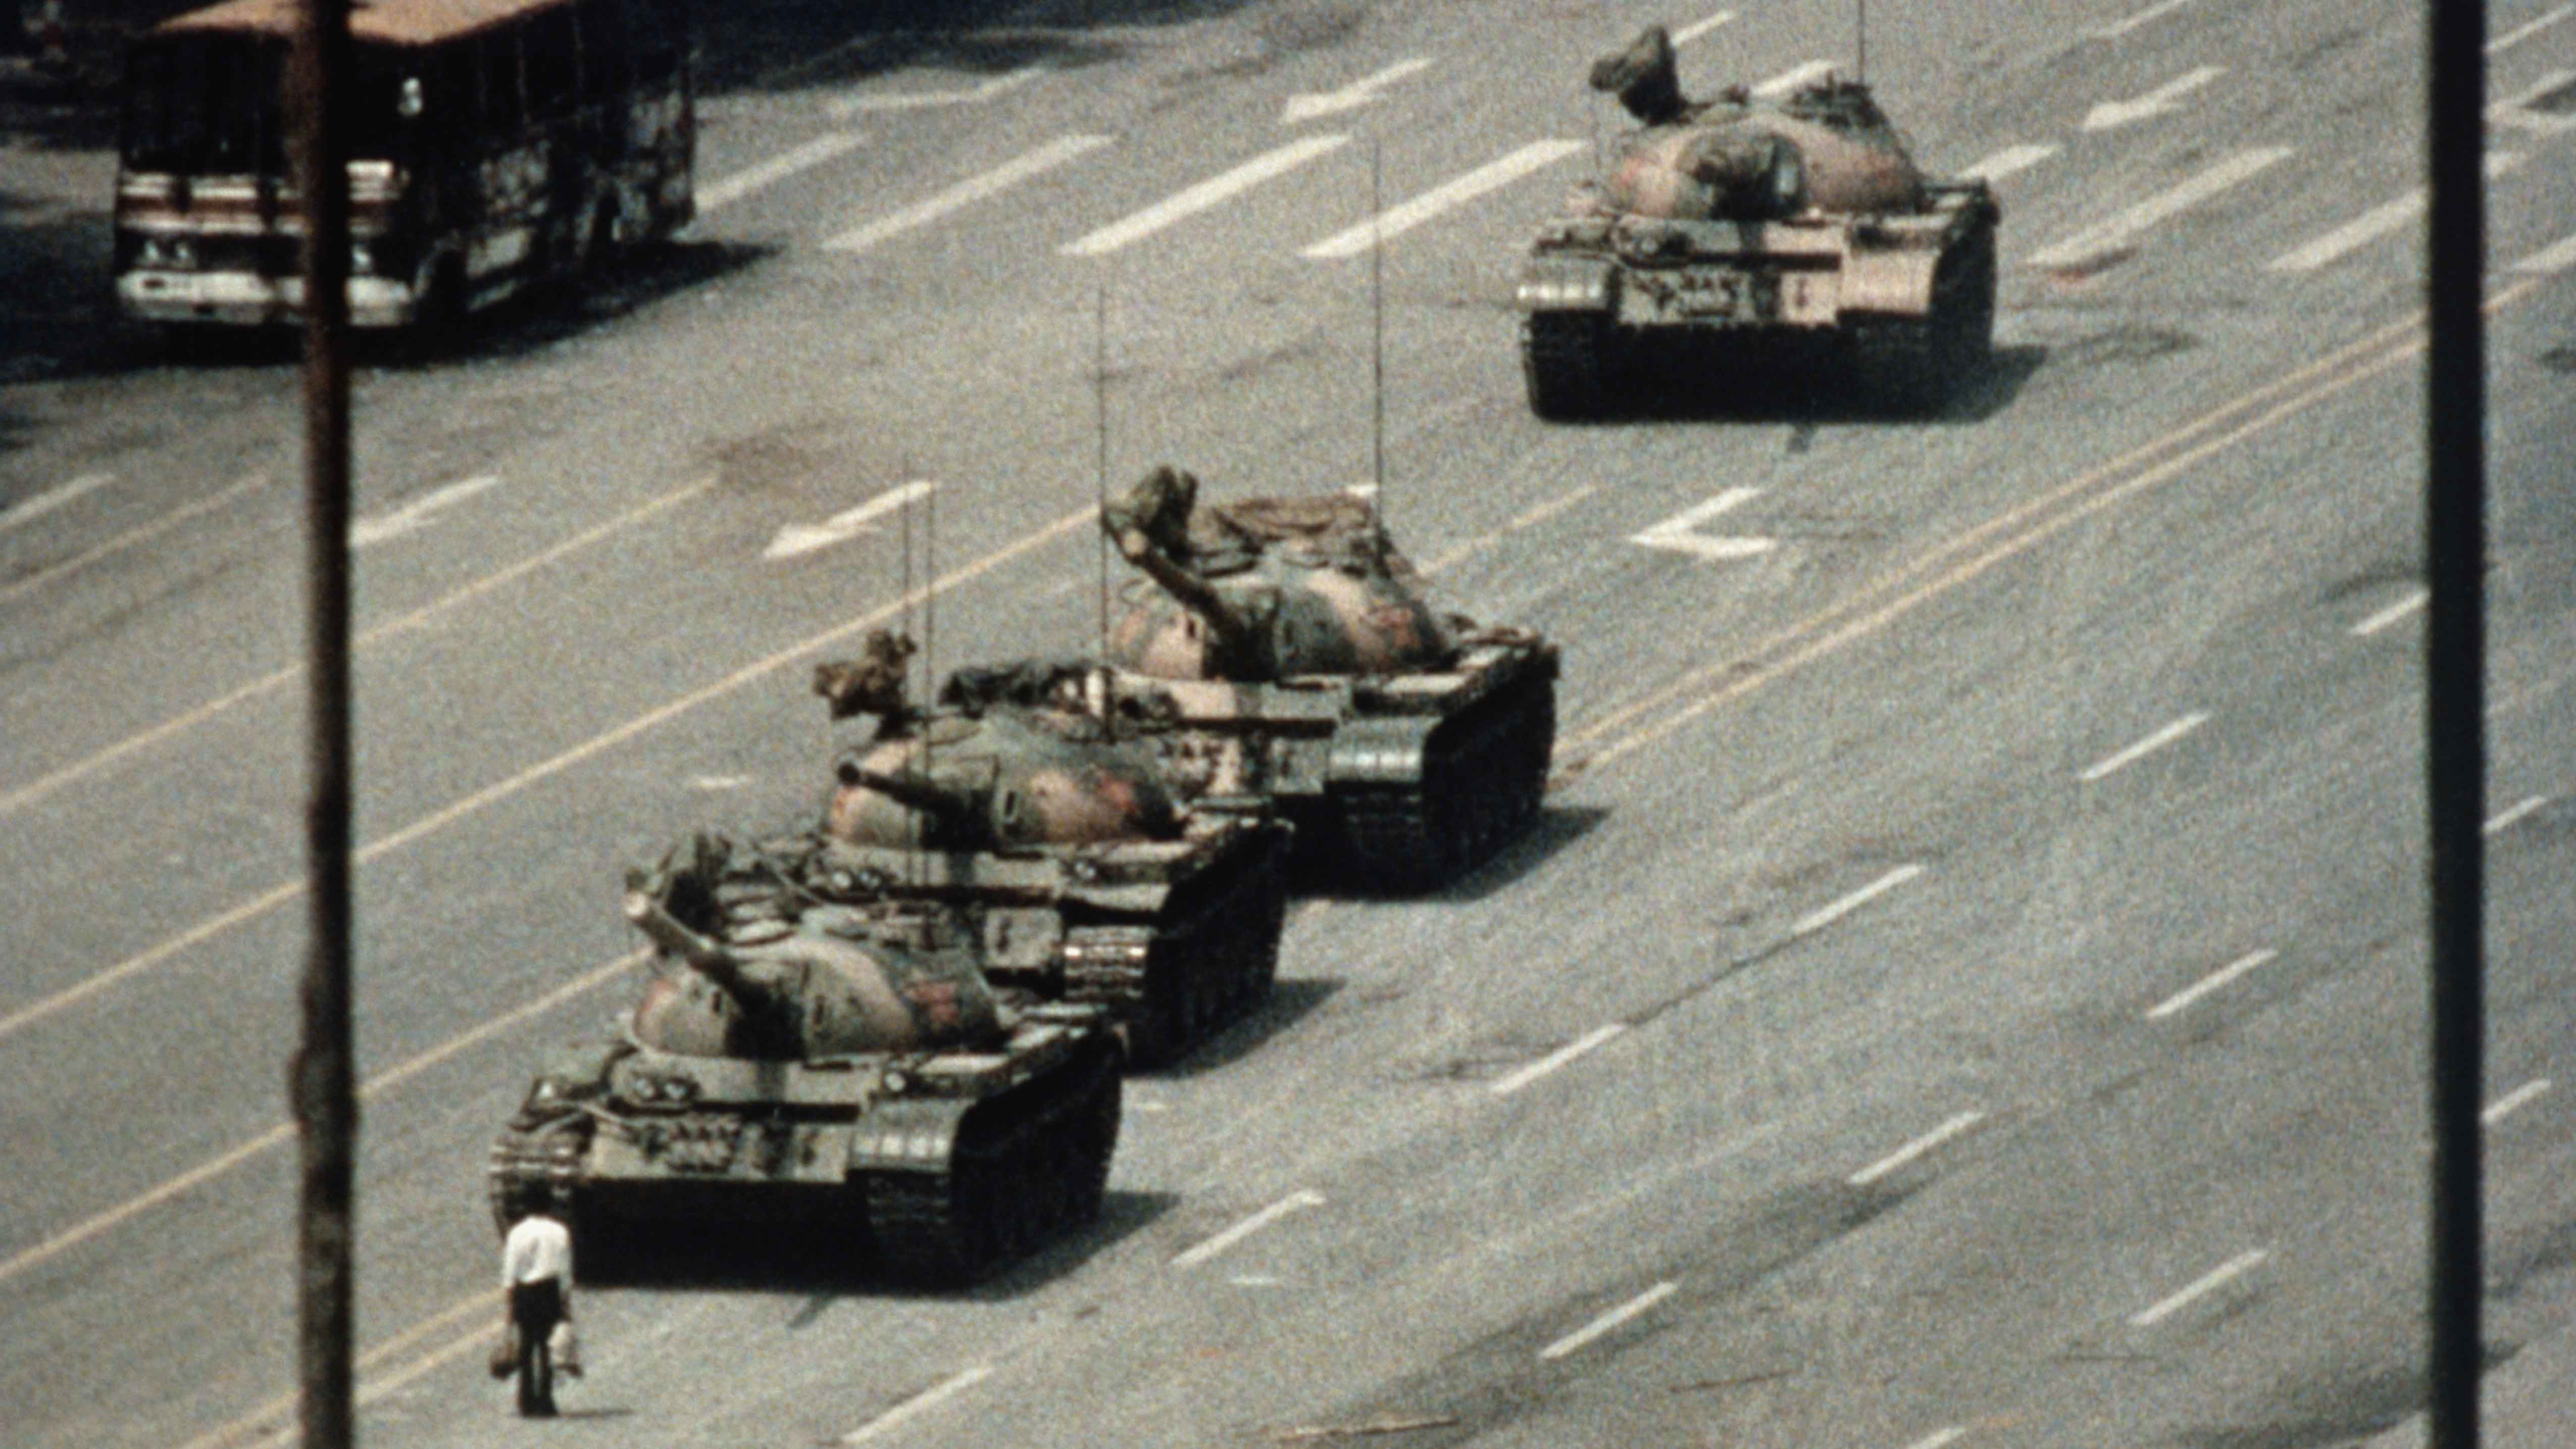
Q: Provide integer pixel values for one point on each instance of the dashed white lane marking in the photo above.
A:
(719, 782)
(2513, 110)
(1505, 1086)
(2513, 1101)
(395, 522)
(2378, 222)
(920, 1403)
(2147, 16)
(1794, 77)
(1940, 1438)
(776, 169)
(2393, 613)
(1817, 920)
(2512, 815)
(1698, 28)
(1366, 91)
(1255, 1280)
(2528, 29)
(18, 514)
(797, 539)
(1214, 191)
(2009, 161)
(2160, 101)
(1679, 533)
(2094, 241)
(1915, 1148)
(927, 100)
(2252, 960)
(2556, 257)
(1294, 1202)
(2198, 1288)
(2122, 760)
(966, 193)
(1397, 220)
(1608, 1321)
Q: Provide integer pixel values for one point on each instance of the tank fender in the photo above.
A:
(1893, 282)
(1569, 284)
(1385, 751)
(907, 1135)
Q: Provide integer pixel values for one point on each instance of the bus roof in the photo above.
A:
(384, 22)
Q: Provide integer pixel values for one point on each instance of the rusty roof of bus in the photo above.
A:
(385, 22)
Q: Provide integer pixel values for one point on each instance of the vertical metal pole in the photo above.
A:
(1860, 41)
(1377, 321)
(322, 1078)
(2455, 707)
(1100, 433)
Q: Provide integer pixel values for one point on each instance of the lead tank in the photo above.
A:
(1022, 803)
(1741, 221)
(843, 1068)
(1281, 649)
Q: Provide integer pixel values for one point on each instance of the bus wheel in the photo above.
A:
(599, 239)
(438, 323)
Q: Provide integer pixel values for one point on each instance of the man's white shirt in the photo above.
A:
(538, 1248)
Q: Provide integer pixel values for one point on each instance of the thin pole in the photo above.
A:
(1860, 41)
(322, 1077)
(1377, 321)
(1100, 435)
(2455, 707)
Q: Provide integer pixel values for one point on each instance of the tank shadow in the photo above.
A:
(1557, 826)
(1291, 1001)
(1680, 382)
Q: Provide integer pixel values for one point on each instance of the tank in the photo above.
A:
(1021, 802)
(1743, 222)
(841, 1068)
(1281, 649)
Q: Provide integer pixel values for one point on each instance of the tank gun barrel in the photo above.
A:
(718, 962)
(931, 796)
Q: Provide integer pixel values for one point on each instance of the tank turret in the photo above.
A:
(1000, 778)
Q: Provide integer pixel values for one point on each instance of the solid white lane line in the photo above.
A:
(2378, 222)
(1297, 1201)
(1915, 1148)
(1794, 77)
(1610, 1320)
(926, 100)
(2199, 1287)
(2556, 257)
(123, 541)
(2157, 102)
(1698, 28)
(2513, 1101)
(966, 193)
(2392, 613)
(929, 1398)
(2144, 748)
(2506, 818)
(797, 539)
(2151, 13)
(44, 503)
(1212, 192)
(2094, 241)
(1818, 919)
(2528, 29)
(1940, 1438)
(1399, 219)
(395, 522)
(2252, 960)
(777, 168)
(1505, 1086)
(2510, 111)
(2008, 161)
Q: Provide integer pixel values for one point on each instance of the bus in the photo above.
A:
(494, 144)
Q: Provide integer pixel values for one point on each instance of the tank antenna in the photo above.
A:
(929, 642)
(1860, 42)
(1377, 322)
(903, 616)
(1100, 437)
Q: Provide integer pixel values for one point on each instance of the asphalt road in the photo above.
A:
(1966, 988)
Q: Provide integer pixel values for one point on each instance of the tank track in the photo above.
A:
(1483, 780)
(1916, 362)
(1028, 1165)
(1175, 984)
(1566, 358)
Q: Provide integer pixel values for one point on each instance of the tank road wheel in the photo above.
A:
(1566, 358)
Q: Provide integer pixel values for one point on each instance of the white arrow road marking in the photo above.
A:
(804, 538)
(1308, 106)
(2094, 242)
(2213, 1279)
(2558, 256)
(2513, 110)
(1608, 1321)
(1698, 28)
(938, 1393)
(2378, 222)
(44, 503)
(2525, 31)
(2156, 102)
(416, 514)
(2008, 161)
(1399, 219)
(1794, 77)
(966, 193)
(777, 168)
(2152, 13)
(927, 100)
(1676, 533)
(1297, 1201)
(1184, 204)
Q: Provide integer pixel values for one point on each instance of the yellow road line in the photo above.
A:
(277, 1416)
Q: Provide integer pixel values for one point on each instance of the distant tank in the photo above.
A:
(1741, 221)
(1019, 801)
(843, 1067)
(1283, 651)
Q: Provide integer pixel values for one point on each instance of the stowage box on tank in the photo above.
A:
(1023, 805)
(1741, 221)
(1283, 652)
(844, 1069)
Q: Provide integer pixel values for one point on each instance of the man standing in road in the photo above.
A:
(536, 1292)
